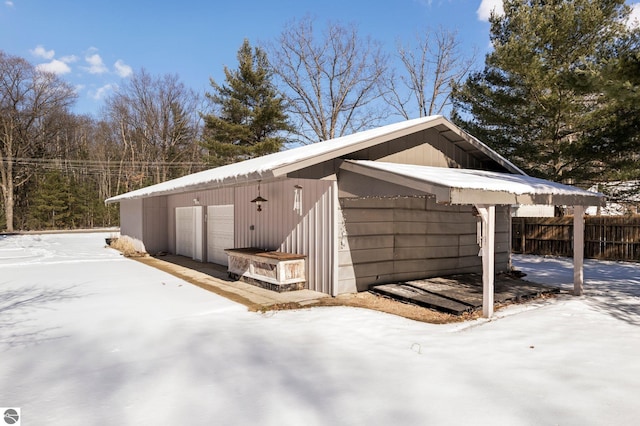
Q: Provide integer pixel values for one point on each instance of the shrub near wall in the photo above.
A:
(606, 237)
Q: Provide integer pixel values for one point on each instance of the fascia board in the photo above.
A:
(485, 149)
(478, 196)
(201, 186)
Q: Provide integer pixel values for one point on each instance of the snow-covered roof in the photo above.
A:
(466, 186)
(280, 163)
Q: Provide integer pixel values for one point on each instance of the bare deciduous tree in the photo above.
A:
(331, 82)
(28, 99)
(428, 70)
(157, 122)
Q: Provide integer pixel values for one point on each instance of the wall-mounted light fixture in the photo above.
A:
(259, 200)
(196, 201)
(297, 199)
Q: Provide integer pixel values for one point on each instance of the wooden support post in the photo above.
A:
(488, 216)
(523, 236)
(335, 239)
(578, 250)
(510, 219)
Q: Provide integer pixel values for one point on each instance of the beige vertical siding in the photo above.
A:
(396, 239)
(426, 148)
(214, 197)
(131, 222)
(155, 224)
(277, 226)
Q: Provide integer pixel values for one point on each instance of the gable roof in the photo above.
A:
(280, 163)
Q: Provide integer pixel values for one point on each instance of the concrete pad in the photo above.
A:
(215, 278)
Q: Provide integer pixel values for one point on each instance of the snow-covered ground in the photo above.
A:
(88, 337)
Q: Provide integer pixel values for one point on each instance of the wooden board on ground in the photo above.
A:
(421, 298)
(460, 293)
(466, 293)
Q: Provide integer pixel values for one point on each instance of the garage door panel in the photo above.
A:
(220, 233)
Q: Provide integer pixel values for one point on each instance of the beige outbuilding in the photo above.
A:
(411, 200)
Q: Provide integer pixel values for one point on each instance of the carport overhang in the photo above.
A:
(485, 190)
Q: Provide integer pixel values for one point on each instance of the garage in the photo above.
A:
(392, 204)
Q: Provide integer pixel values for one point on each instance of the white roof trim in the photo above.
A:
(466, 186)
(482, 147)
(277, 165)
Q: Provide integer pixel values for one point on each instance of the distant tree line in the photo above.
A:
(558, 95)
(57, 168)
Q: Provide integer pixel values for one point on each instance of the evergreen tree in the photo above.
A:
(614, 129)
(250, 114)
(534, 100)
(50, 202)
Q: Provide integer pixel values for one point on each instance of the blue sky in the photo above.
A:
(95, 44)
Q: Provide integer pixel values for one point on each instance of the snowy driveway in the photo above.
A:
(90, 338)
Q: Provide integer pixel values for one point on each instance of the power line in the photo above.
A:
(102, 163)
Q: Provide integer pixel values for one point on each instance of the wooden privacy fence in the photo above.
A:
(605, 237)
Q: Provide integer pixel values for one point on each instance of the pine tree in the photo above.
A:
(614, 129)
(50, 202)
(251, 117)
(536, 95)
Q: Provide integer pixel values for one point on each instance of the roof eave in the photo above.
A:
(484, 196)
(485, 149)
(148, 192)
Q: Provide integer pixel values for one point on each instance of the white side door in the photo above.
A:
(220, 233)
(189, 232)
(184, 231)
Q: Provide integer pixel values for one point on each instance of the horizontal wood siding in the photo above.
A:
(395, 239)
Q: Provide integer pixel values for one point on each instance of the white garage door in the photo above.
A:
(219, 233)
(189, 232)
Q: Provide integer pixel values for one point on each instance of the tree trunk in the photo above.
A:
(6, 181)
(8, 196)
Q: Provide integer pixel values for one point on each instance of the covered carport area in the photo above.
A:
(484, 190)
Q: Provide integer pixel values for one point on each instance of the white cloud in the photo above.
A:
(634, 18)
(96, 66)
(487, 6)
(122, 69)
(69, 59)
(103, 91)
(41, 52)
(9, 3)
(56, 67)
